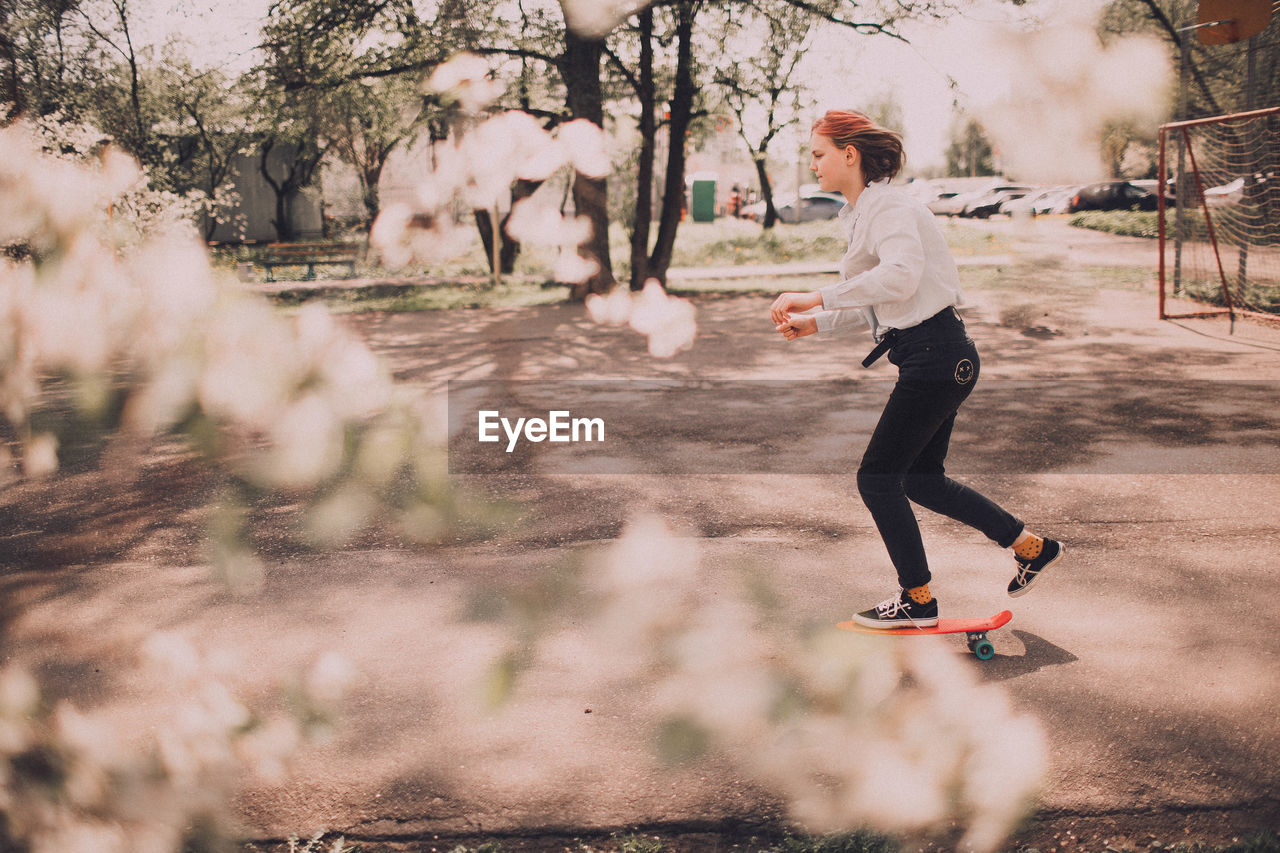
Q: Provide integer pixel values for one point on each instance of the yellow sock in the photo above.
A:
(920, 594)
(1028, 546)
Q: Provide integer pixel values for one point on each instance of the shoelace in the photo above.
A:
(1024, 572)
(891, 606)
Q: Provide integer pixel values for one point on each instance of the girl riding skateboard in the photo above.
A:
(898, 280)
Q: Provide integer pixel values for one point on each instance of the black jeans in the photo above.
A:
(905, 460)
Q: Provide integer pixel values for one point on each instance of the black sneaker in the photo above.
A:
(899, 612)
(1030, 570)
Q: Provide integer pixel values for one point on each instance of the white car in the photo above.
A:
(1025, 206)
(1058, 201)
(954, 204)
(1225, 195)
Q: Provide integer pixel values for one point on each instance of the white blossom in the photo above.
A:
(466, 77)
(585, 142)
(597, 18)
(536, 223)
(570, 267)
(613, 309)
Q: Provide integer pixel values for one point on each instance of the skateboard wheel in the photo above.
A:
(984, 650)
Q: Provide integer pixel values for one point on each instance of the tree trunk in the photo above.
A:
(369, 179)
(8, 55)
(647, 95)
(508, 248)
(766, 190)
(681, 117)
(580, 68)
(282, 222)
(135, 88)
(484, 224)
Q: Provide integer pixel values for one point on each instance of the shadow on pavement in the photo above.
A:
(1039, 653)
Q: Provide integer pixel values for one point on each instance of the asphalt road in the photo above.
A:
(1149, 657)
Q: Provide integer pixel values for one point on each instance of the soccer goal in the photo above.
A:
(1219, 218)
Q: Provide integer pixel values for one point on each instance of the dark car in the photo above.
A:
(1113, 195)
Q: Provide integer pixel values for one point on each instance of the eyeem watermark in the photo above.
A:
(675, 426)
(559, 427)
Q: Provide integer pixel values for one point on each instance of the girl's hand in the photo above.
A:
(798, 326)
(793, 303)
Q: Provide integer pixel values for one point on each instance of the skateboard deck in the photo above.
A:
(975, 631)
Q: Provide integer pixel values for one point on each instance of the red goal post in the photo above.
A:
(1220, 236)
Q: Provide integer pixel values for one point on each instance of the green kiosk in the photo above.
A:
(702, 202)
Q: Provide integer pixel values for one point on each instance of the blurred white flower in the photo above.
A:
(329, 678)
(829, 720)
(173, 654)
(541, 155)
(389, 233)
(40, 456)
(19, 696)
(249, 371)
(585, 142)
(355, 385)
(668, 322)
(613, 309)
(267, 748)
(171, 305)
(570, 267)
(536, 223)
(339, 516)
(164, 398)
(465, 77)
(120, 171)
(306, 445)
(597, 18)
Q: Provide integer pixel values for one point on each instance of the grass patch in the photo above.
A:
(1126, 223)
(857, 842)
(464, 283)
(508, 293)
(1062, 284)
(1252, 297)
(1266, 841)
(736, 242)
(969, 238)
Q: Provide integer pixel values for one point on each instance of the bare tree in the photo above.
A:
(772, 38)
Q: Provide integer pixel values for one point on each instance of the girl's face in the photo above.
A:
(836, 169)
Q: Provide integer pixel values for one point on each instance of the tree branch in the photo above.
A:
(832, 17)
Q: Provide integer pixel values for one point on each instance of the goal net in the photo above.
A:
(1219, 221)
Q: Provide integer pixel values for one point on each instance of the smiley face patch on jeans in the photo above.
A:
(964, 372)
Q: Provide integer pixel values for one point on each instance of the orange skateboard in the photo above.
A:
(975, 631)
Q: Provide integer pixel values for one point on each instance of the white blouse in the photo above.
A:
(898, 270)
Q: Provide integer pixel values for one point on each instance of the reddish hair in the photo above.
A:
(881, 148)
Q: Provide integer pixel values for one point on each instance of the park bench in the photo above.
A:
(310, 255)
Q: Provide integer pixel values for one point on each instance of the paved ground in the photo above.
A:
(1150, 657)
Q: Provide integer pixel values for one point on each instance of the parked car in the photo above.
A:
(953, 204)
(811, 206)
(940, 201)
(1024, 206)
(990, 202)
(1170, 189)
(1233, 192)
(1057, 201)
(1113, 195)
(1225, 195)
